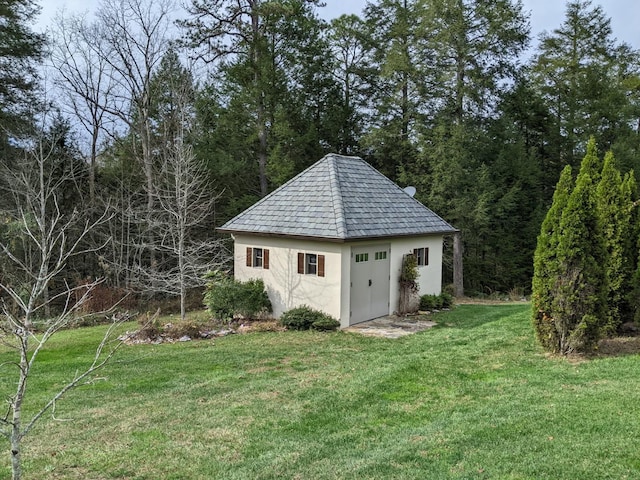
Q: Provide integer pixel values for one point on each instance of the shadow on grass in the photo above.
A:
(617, 347)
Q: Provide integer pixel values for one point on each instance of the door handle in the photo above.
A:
(369, 282)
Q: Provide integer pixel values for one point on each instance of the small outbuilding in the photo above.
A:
(334, 238)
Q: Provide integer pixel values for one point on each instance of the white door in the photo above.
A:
(369, 282)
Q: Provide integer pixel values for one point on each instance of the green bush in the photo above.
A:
(253, 299)
(436, 302)
(447, 299)
(326, 324)
(304, 318)
(226, 297)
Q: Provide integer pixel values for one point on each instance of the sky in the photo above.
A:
(545, 14)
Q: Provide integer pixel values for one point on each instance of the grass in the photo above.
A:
(473, 398)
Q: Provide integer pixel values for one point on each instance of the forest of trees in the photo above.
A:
(164, 123)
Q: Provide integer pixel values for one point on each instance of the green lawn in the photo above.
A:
(472, 398)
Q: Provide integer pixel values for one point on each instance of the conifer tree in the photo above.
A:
(614, 202)
(631, 246)
(546, 269)
(580, 292)
(591, 164)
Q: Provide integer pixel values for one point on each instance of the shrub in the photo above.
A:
(226, 297)
(428, 302)
(304, 318)
(447, 299)
(325, 324)
(253, 299)
(103, 297)
(436, 302)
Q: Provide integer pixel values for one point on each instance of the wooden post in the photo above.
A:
(458, 280)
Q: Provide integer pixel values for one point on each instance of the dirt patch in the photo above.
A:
(614, 347)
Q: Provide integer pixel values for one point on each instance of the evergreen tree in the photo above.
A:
(581, 73)
(172, 105)
(398, 98)
(253, 41)
(614, 208)
(546, 266)
(591, 164)
(469, 48)
(580, 292)
(20, 50)
(350, 47)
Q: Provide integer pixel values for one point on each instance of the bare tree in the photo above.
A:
(136, 38)
(106, 68)
(52, 238)
(184, 198)
(85, 77)
(185, 248)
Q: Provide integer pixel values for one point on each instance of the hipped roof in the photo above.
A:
(338, 198)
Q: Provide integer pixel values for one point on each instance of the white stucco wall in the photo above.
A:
(430, 276)
(286, 287)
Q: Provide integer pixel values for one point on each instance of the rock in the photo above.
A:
(185, 338)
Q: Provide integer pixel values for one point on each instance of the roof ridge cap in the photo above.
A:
(336, 198)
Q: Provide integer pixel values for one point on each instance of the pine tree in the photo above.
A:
(546, 268)
(581, 70)
(20, 51)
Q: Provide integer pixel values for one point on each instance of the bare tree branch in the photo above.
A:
(51, 238)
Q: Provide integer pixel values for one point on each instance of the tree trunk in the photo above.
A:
(458, 280)
(260, 107)
(16, 466)
(16, 403)
(92, 165)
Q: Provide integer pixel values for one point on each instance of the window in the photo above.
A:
(381, 255)
(422, 256)
(258, 258)
(311, 264)
(362, 257)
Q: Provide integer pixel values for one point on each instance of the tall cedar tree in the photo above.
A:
(580, 292)
(546, 267)
(614, 208)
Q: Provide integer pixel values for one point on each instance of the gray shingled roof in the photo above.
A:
(338, 198)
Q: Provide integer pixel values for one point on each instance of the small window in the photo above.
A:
(258, 258)
(311, 264)
(422, 256)
(381, 255)
(362, 257)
